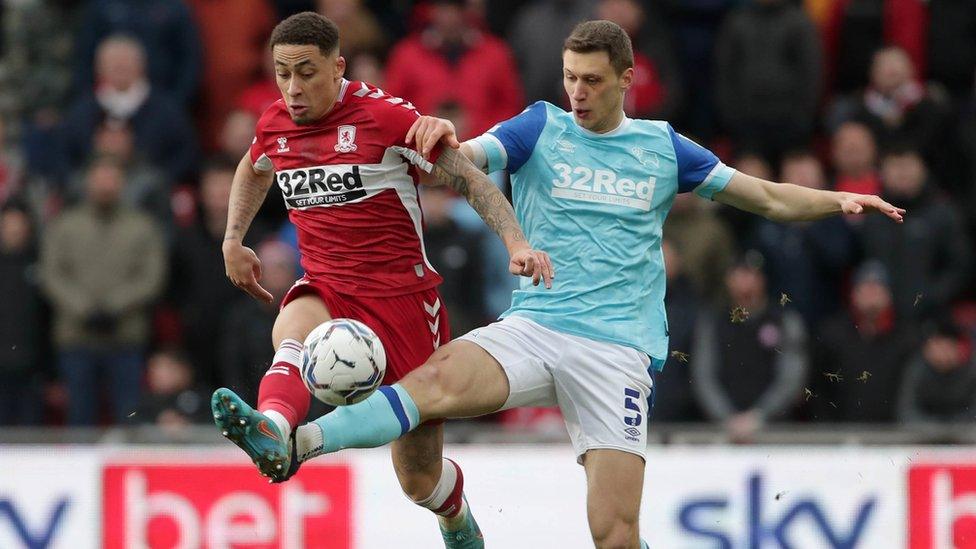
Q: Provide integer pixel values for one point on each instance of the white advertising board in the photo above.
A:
(49, 497)
(523, 496)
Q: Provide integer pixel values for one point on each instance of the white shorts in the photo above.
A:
(603, 389)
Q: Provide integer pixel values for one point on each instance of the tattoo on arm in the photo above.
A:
(246, 196)
(456, 171)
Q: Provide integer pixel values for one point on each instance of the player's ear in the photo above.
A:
(340, 67)
(627, 78)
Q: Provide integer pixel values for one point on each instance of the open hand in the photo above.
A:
(244, 270)
(853, 203)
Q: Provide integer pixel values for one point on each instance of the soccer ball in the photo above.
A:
(343, 362)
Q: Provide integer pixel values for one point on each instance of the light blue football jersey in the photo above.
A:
(596, 203)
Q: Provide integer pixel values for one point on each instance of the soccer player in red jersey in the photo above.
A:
(337, 151)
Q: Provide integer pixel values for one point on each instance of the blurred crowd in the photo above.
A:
(122, 121)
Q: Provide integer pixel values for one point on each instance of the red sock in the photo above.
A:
(447, 497)
(452, 505)
(282, 389)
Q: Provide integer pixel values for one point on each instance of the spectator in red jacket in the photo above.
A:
(448, 61)
(855, 156)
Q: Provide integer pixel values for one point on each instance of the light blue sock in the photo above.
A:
(385, 416)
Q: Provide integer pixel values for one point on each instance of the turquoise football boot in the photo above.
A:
(254, 433)
(468, 537)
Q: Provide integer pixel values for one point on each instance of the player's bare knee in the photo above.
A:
(615, 533)
(427, 386)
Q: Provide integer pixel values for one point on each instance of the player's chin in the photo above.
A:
(301, 120)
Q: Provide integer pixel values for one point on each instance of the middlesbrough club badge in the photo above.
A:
(346, 142)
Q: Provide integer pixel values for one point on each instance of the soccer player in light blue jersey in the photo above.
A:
(592, 187)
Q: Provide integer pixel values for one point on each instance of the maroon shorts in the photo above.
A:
(410, 326)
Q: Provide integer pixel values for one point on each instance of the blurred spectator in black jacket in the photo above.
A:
(748, 364)
(200, 289)
(456, 254)
(172, 400)
(952, 45)
(768, 76)
(805, 261)
(695, 27)
(929, 257)
(245, 336)
(673, 398)
(940, 382)
(21, 319)
(861, 354)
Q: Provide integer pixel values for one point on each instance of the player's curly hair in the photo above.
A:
(307, 28)
(593, 36)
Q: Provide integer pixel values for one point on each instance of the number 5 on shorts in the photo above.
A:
(631, 404)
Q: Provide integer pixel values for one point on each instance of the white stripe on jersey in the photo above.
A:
(411, 202)
(414, 157)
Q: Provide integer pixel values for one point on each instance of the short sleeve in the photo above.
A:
(259, 160)
(396, 115)
(699, 169)
(509, 144)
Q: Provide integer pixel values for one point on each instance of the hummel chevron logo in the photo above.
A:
(434, 325)
(432, 309)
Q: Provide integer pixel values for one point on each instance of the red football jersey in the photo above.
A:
(350, 184)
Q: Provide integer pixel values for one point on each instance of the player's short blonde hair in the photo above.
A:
(594, 36)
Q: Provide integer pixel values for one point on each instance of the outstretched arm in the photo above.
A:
(246, 195)
(455, 170)
(788, 202)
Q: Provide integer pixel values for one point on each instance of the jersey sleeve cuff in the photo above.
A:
(262, 164)
(494, 151)
(414, 158)
(715, 181)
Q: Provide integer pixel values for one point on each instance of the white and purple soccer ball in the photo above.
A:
(343, 362)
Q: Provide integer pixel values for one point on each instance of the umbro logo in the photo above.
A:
(283, 145)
